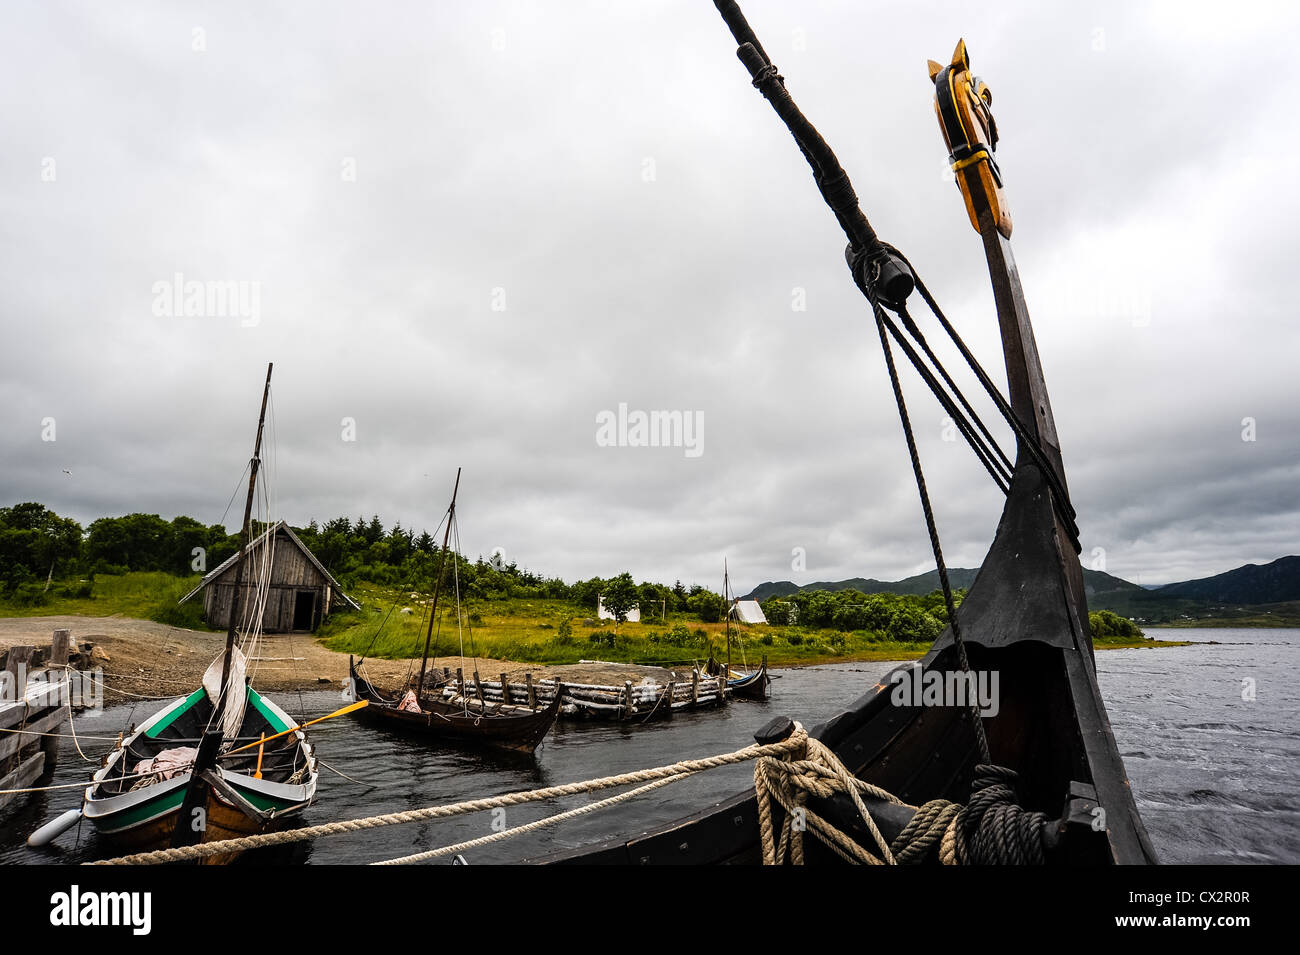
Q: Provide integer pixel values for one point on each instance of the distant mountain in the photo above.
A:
(1273, 584)
(1251, 584)
(921, 584)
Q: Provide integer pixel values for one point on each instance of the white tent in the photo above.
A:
(633, 615)
(747, 611)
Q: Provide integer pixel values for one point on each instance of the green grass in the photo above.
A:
(141, 595)
(530, 631)
(521, 630)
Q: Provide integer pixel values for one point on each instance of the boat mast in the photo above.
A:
(244, 535)
(437, 586)
(190, 826)
(726, 606)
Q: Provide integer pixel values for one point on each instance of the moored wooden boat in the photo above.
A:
(452, 718)
(254, 791)
(642, 702)
(742, 684)
(459, 719)
(223, 761)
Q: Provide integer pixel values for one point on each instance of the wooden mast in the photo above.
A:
(244, 535)
(189, 827)
(726, 605)
(437, 586)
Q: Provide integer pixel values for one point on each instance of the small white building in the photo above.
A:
(747, 611)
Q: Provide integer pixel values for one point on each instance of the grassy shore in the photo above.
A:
(524, 631)
(141, 595)
(555, 632)
(1256, 622)
(552, 631)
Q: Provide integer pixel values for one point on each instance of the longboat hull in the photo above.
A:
(748, 686)
(468, 723)
(145, 819)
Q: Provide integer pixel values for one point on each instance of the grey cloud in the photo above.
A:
(1152, 166)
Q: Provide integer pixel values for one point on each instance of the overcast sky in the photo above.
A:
(473, 229)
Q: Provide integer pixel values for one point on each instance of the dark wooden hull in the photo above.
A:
(454, 723)
(1051, 725)
(224, 821)
(752, 686)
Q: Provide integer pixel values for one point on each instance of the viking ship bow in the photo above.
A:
(1047, 745)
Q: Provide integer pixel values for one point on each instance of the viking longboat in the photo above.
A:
(447, 716)
(135, 799)
(741, 683)
(644, 702)
(461, 720)
(221, 762)
(1048, 741)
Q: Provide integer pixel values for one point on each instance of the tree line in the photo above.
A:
(37, 544)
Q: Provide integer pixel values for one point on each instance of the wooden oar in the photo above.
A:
(293, 729)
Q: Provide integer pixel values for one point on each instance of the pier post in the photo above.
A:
(532, 691)
(18, 666)
(60, 648)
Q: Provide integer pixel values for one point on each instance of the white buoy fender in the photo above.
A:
(54, 828)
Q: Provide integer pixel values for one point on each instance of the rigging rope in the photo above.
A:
(1060, 497)
(869, 287)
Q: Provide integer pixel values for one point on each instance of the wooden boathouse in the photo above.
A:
(300, 591)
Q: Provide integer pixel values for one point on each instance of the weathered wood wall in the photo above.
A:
(291, 572)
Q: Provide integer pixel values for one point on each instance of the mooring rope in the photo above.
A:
(991, 829)
(795, 743)
(820, 773)
(533, 826)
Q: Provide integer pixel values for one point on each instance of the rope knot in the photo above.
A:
(766, 75)
(811, 769)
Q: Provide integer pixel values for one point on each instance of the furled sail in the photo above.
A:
(232, 715)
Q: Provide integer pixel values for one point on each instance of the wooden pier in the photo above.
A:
(628, 701)
(37, 691)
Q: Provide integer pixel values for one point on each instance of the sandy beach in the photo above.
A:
(152, 659)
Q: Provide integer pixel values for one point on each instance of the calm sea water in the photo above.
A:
(1216, 773)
